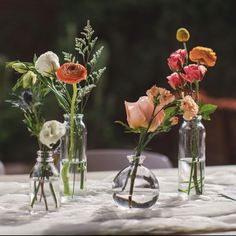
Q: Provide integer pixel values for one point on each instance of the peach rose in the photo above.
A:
(203, 55)
(174, 120)
(176, 80)
(140, 113)
(189, 107)
(165, 97)
(152, 92)
(71, 73)
(195, 72)
(176, 59)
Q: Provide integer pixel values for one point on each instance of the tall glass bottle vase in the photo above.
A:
(44, 184)
(191, 164)
(73, 167)
(135, 186)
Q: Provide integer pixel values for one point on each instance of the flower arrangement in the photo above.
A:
(83, 77)
(71, 83)
(149, 116)
(185, 81)
(28, 95)
(44, 172)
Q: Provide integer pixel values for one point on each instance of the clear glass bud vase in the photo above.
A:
(44, 185)
(73, 163)
(135, 186)
(191, 164)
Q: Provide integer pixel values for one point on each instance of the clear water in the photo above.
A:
(195, 184)
(142, 198)
(44, 195)
(77, 179)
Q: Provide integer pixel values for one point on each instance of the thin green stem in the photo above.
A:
(134, 172)
(53, 194)
(197, 91)
(190, 178)
(194, 163)
(185, 47)
(66, 166)
(133, 176)
(201, 179)
(43, 194)
(81, 163)
(35, 193)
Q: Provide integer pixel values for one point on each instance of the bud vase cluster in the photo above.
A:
(150, 115)
(185, 81)
(157, 111)
(71, 83)
(160, 109)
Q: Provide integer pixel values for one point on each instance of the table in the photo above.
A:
(96, 212)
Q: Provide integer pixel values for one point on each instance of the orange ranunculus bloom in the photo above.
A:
(71, 73)
(203, 55)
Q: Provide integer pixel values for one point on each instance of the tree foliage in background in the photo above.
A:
(138, 36)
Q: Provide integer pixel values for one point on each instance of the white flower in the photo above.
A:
(47, 62)
(51, 132)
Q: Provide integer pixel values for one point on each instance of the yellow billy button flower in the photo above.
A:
(182, 35)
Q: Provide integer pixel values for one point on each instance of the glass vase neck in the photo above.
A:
(76, 116)
(44, 156)
(195, 119)
(133, 158)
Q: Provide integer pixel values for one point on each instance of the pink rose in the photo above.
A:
(176, 80)
(140, 113)
(195, 72)
(176, 59)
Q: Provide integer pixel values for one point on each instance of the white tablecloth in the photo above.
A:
(96, 212)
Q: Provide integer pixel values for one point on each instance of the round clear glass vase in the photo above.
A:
(191, 155)
(73, 168)
(135, 186)
(44, 185)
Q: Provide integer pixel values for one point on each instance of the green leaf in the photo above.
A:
(170, 112)
(18, 84)
(122, 123)
(9, 64)
(207, 109)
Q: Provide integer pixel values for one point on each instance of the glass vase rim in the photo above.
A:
(50, 152)
(195, 118)
(77, 115)
(132, 157)
(42, 154)
(67, 115)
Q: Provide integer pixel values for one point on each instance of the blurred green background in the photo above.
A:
(138, 37)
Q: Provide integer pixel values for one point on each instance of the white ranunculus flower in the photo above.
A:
(51, 132)
(47, 62)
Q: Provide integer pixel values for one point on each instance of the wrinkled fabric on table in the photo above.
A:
(97, 213)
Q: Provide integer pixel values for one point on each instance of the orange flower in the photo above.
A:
(71, 73)
(205, 56)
